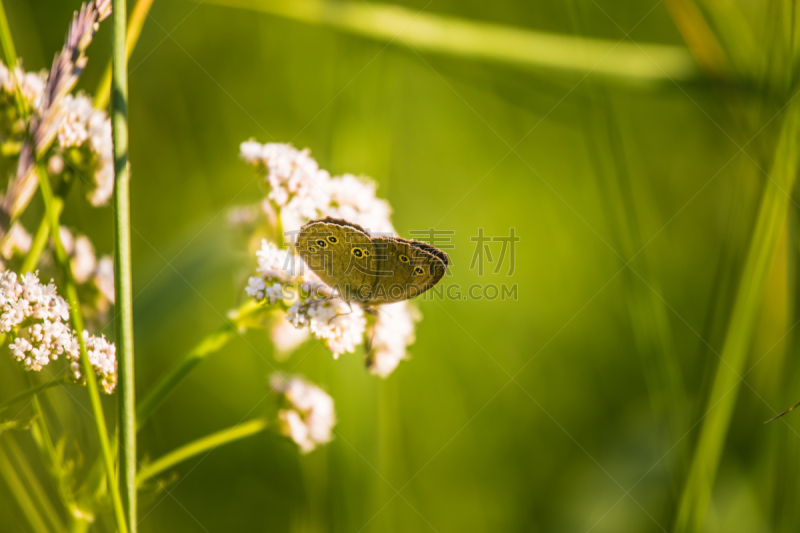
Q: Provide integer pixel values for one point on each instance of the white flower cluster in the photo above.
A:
(17, 242)
(299, 191)
(38, 318)
(87, 269)
(308, 417)
(392, 333)
(339, 324)
(103, 356)
(88, 129)
(302, 191)
(277, 269)
(30, 84)
(284, 277)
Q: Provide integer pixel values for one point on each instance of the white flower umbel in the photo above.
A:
(103, 356)
(339, 324)
(38, 321)
(18, 242)
(30, 84)
(308, 416)
(286, 338)
(353, 199)
(294, 180)
(299, 191)
(392, 333)
(88, 131)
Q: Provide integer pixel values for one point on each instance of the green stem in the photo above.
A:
(39, 243)
(452, 36)
(9, 52)
(212, 343)
(77, 323)
(33, 391)
(138, 16)
(201, 445)
(771, 220)
(41, 436)
(122, 265)
(29, 477)
(19, 492)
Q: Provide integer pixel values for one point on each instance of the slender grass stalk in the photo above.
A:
(770, 222)
(492, 42)
(122, 265)
(21, 494)
(33, 391)
(29, 477)
(9, 52)
(210, 344)
(76, 318)
(135, 23)
(201, 445)
(41, 435)
(39, 242)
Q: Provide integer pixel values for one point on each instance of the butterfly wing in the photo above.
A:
(405, 269)
(340, 254)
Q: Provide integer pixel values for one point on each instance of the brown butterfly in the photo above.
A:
(369, 270)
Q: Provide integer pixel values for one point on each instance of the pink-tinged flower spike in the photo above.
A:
(67, 68)
(307, 416)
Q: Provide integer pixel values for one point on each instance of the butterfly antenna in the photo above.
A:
(783, 413)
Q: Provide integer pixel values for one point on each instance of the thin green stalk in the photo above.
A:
(9, 52)
(459, 37)
(201, 445)
(19, 492)
(41, 436)
(77, 323)
(211, 344)
(29, 476)
(771, 219)
(39, 243)
(122, 265)
(138, 16)
(33, 391)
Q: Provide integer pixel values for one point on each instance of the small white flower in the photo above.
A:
(339, 324)
(309, 416)
(18, 242)
(83, 126)
(37, 319)
(286, 337)
(392, 333)
(104, 278)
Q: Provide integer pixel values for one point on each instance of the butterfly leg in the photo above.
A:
(334, 317)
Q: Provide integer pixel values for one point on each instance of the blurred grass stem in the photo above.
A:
(76, 318)
(201, 445)
(211, 344)
(770, 222)
(135, 23)
(425, 32)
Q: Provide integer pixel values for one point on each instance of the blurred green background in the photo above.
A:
(576, 407)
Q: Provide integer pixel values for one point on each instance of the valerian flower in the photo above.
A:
(84, 144)
(307, 415)
(37, 320)
(392, 333)
(95, 277)
(299, 191)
